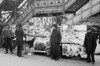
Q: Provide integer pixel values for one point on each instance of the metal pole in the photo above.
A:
(63, 6)
(29, 1)
(15, 13)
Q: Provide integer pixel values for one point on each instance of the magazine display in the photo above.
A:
(39, 27)
(73, 40)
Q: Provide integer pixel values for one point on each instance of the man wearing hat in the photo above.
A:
(7, 34)
(90, 45)
(55, 40)
(19, 39)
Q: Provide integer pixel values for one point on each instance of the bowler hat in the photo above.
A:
(55, 25)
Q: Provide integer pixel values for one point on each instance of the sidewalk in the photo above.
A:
(41, 60)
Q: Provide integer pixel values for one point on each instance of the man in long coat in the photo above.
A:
(55, 40)
(90, 45)
(19, 39)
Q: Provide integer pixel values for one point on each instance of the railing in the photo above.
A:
(11, 15)
(27, 12)
(6, 19)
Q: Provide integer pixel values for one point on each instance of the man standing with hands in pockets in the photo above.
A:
(19, 39)
(90, 45)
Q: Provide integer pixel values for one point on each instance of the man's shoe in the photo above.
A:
(88, 62)
(53, 58)
(20, 56)
(11, 52)
(93, 62)
(17, 54)
(56, 59)
(6, 52)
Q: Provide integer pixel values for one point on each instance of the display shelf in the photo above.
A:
(39, 51)
(38, 36)
(71, 43)
(72, 50)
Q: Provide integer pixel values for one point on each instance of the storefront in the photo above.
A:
(40, 28)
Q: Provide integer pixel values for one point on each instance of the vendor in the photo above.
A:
(55, 40)
(90, 45)
(19, 39)
(7, 35)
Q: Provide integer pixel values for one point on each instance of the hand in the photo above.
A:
(84, 48)
(60, 44)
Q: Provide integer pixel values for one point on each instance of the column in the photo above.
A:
(63, 6)
(99, 5)
(81, 13)
(90, 7)
(15, 13)
(73, 19)
(29, 1)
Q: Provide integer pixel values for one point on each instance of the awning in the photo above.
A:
(72, 9)
(76, 6)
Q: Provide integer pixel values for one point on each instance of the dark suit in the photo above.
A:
(55, 39)
(90, 45)
(19, 40)
(7, 34)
